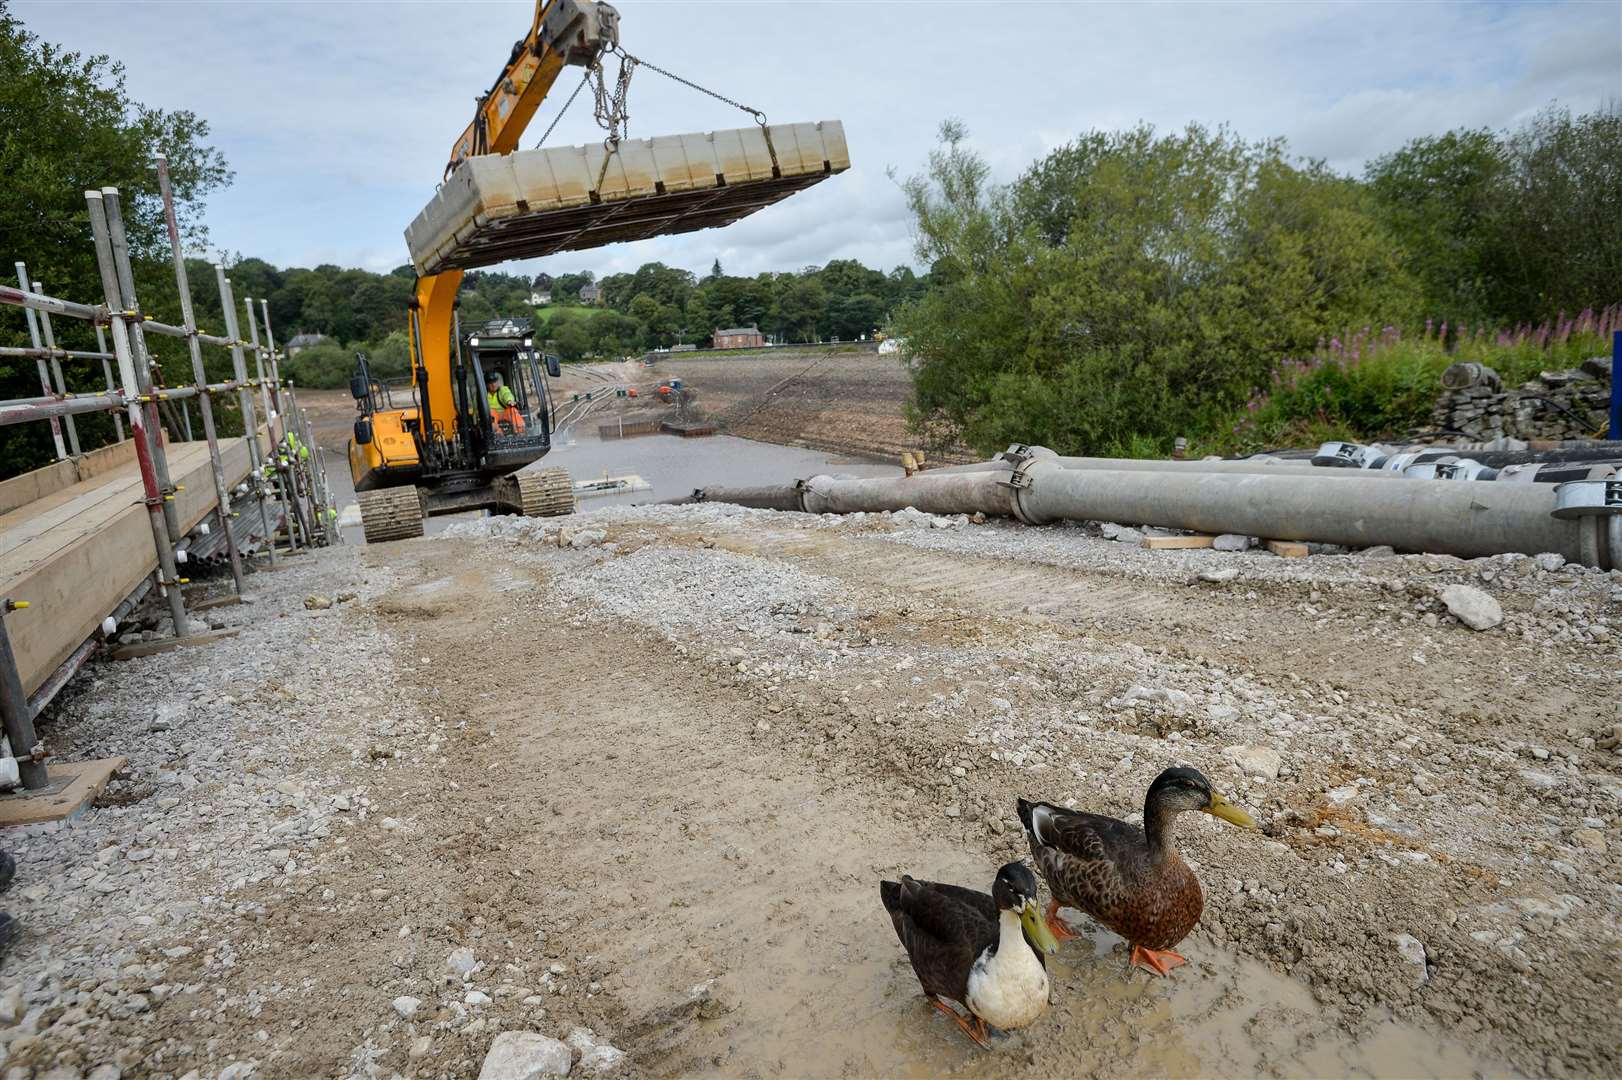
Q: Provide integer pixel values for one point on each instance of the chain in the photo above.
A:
(556, 119)
(612, 115)
(760, 117)
(610, 108)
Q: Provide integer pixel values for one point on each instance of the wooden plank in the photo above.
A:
(150, 648)
(73, 785)
(1287, 549)
(1177, 543)
(217, 602)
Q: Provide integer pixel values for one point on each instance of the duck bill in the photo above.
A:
(1036, 929)
(1221, 807)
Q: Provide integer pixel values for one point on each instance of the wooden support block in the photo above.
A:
(1176, 543)
(148, 648)
(1287, 549)
(218, 601)
(73, 784)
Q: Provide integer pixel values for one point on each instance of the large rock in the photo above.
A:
(1261, 761)
(1472, 607)
(1231, 542)
(524, 1055)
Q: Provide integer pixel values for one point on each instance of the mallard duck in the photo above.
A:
(1129, 879)
(983, 952)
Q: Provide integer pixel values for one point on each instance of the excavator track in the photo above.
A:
(391, 514)
(542, 493)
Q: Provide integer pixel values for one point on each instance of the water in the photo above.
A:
(674, 466)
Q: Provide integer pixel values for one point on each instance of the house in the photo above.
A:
(304, 341)
(540, 297)
(738, 337)
(591, 294)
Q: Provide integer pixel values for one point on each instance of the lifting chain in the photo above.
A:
(611, 112)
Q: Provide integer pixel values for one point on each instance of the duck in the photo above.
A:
(1130, 879)
(983, 952)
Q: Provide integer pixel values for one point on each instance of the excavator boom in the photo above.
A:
(562, 33)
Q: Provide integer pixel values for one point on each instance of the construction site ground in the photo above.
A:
(641, 771)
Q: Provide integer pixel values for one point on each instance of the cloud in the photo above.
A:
(338, 117)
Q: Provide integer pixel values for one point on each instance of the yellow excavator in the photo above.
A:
(460, 440)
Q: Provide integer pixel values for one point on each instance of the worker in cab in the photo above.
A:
(504, 414)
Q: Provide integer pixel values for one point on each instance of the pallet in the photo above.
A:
(73, 785)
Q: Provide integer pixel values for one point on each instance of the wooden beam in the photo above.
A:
(1177, 543)
(148, 648)
(1288, 549)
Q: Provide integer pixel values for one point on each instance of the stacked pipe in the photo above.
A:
(1580, 519)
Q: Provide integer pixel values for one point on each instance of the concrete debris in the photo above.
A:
(1262, 761)
(1218, 577)
(525, 1055)
(1231, 542)
(1412, 952)
(406, 1007)
(1472, 607)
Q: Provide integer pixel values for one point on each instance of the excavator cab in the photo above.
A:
(502, 395)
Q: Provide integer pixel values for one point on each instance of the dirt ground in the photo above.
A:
(647, 766)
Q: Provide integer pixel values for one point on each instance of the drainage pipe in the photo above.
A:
(771, 497)
(1244, 467)
(1465, 518)
(987, 493)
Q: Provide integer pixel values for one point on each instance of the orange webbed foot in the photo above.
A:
(1159, 961)
(1060, 928)
(975, 1030)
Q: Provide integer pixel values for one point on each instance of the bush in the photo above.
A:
(1130, 287)
(1377, 386)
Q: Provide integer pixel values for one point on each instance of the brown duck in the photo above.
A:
(1129, 879)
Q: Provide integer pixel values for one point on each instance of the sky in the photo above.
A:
(337, 117)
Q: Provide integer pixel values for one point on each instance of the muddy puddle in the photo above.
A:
(828, 992)
(1220, 1016)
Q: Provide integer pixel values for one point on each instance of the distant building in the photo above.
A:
(591, 294)
(540, 297)
(304, 341)
(738, 337)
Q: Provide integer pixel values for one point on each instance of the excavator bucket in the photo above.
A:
(531, 203)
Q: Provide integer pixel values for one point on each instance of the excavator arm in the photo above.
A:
(562, 33)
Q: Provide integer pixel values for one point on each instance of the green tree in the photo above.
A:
(801, 308)
(1130, 285)
(69, 126)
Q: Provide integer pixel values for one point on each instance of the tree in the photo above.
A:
(1438, 193)
(1130, 285)
(69, 126)
(801, 308)
(715, 271)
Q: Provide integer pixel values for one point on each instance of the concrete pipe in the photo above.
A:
(1245, 467)
(767, 497)
(964, 493)
(1467, 518)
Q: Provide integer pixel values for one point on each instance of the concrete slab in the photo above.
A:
(531, 203)
(73, 784)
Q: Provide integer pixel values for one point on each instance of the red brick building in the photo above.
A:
(738, 337)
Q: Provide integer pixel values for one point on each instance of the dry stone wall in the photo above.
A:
(1569, 404)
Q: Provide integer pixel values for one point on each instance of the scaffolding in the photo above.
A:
(284, 492)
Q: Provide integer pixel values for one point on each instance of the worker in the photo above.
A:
(504, 414)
